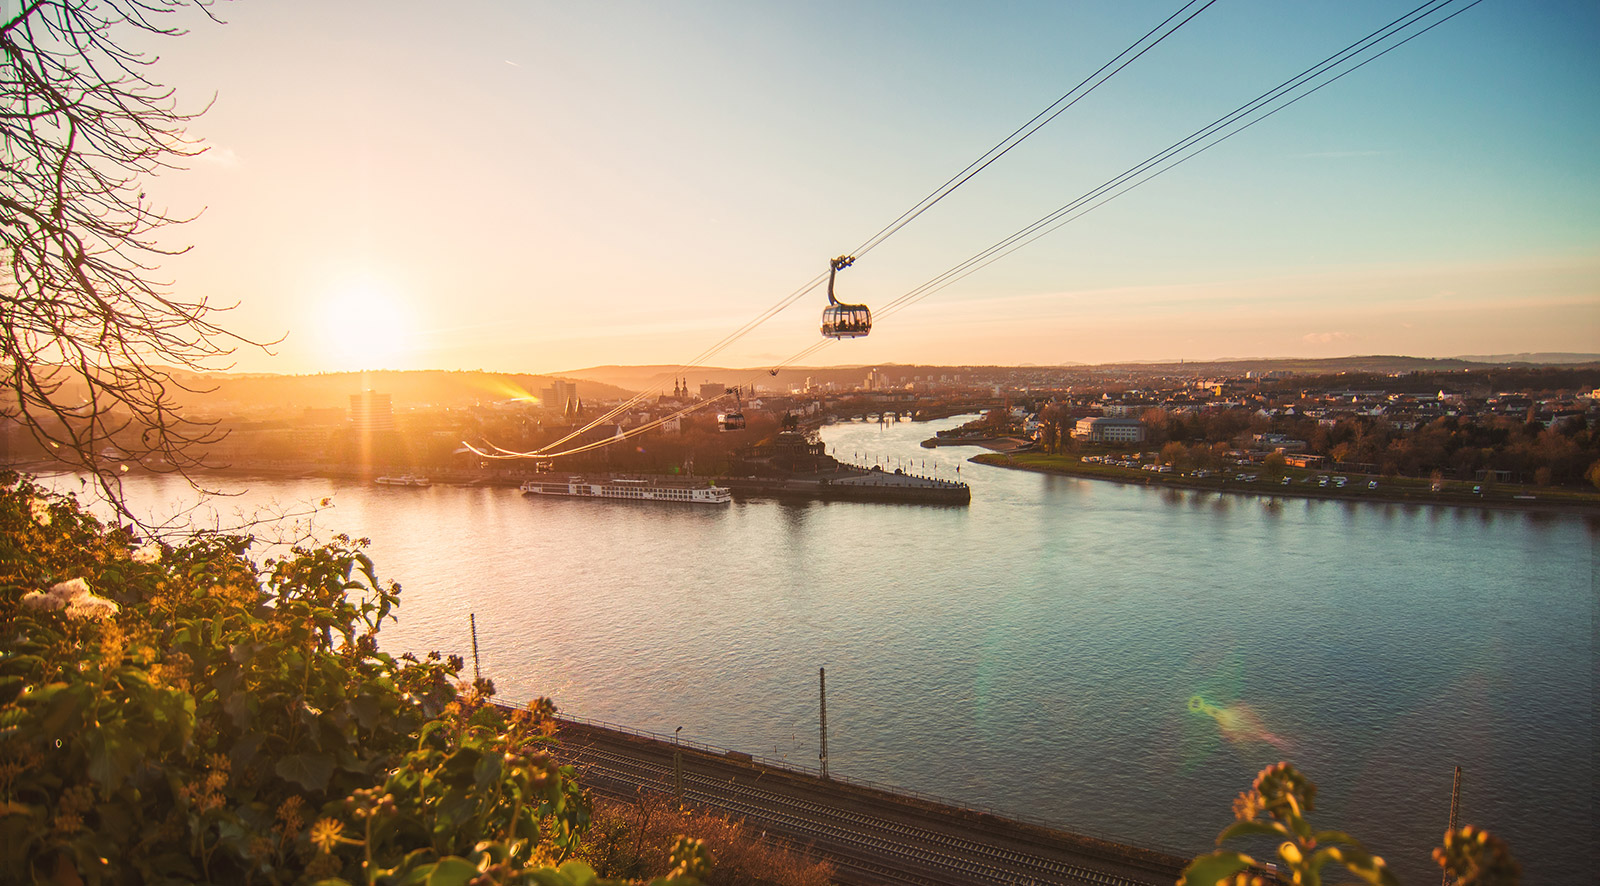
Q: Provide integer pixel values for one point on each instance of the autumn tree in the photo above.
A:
(92, 334)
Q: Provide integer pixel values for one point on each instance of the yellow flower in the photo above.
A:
(325, 834)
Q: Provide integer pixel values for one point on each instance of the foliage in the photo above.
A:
(209, 720)
(1275, 807)
(629, 838)
(1456, 446)
(89, 332)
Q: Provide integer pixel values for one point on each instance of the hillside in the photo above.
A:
(227, 391)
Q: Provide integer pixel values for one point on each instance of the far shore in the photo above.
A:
(1067, 465)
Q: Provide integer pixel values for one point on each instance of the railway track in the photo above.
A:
(869, 842)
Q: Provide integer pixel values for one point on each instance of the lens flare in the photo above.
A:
(1238, 723)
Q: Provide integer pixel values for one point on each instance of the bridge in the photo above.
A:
(872, 836)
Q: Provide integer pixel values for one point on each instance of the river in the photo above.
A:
(1110, 659)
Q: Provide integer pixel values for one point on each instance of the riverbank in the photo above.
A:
(1306, 484)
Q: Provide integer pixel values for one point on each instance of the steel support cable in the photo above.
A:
(501, 453)
(727, 340)
(945, 280)
(1176, 147)
(1049, 114)
(1027, 129)
(1039, 120)
(631, 432)
(1251, 107)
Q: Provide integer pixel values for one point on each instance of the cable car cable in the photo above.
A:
(901, 304)
(1027, 129)
(1165, 154)
(1053, 111)
(1049, 222)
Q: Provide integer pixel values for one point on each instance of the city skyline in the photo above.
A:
(539, 188)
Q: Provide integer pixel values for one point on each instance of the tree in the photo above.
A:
(1274, 464)
(91, 335)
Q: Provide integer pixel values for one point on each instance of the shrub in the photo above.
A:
(176, 713)
(1275, 807)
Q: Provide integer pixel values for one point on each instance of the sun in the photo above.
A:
(365, 324)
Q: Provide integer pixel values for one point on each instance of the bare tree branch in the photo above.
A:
(91, 339)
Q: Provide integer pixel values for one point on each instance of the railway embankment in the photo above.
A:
(872, 835)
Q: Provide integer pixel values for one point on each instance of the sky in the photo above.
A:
(530, 186)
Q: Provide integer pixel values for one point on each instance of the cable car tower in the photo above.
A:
(840, 320)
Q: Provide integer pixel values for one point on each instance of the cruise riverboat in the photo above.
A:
(403, 480)
(630, 489)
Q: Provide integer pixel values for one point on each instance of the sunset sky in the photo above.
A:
(535, 186)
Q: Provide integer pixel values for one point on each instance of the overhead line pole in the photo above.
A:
(822, 682)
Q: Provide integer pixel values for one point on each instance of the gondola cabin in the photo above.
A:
(840, 320)
(731, 421)
(846, 321)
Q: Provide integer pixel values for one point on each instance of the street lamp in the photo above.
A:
(677, 764)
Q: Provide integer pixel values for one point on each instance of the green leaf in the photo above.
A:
(1207, 870)
(1359, 862)
(1253, 829)
(366, 710)
(451, 871)
(1336, 837)
(487, 771)
(63, 708)
(310, 771)
(111, 756)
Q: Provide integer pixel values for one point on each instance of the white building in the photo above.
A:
(1109, 430)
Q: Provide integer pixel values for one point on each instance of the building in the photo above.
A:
(1109, 430)
(371, 411)
(562, 396)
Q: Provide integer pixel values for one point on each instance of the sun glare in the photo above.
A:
(366, 324)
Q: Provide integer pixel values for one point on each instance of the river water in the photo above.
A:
(1110, 659)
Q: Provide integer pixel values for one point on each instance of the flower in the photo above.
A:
(92, 607)
(74, 596)
(150, 553)
(325, 834)
(41, 511)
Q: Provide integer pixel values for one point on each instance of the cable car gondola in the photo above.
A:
(840, 320)
(734, 420)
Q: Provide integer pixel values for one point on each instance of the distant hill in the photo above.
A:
(659, 378)
(1377, 363)
(1538, 359)
(408, 389)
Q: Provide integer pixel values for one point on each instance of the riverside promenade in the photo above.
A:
(872, 836)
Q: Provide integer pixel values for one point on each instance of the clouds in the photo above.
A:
(1325, 338)
(220, 157)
